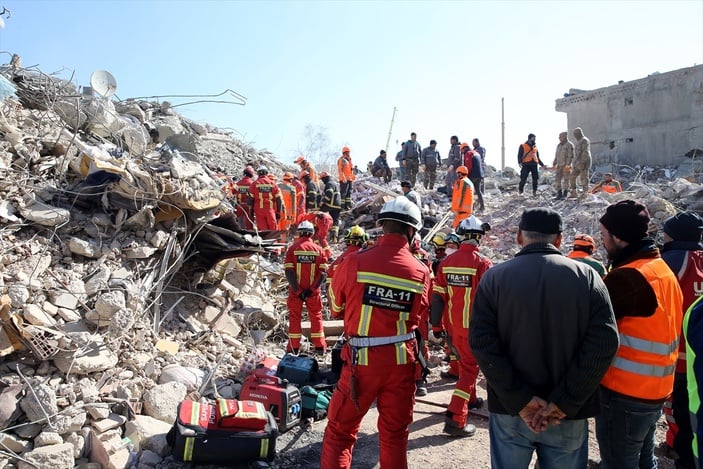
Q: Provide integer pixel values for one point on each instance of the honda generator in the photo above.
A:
(278, 396)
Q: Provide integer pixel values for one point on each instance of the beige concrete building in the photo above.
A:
(656, 121)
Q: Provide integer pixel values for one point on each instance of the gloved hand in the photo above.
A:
(305, 294)
(439, 332)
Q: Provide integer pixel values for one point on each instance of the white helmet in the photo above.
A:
(401, 209)
(472, 226)
(305, 227)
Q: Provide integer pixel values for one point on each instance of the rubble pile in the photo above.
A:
(127, 285)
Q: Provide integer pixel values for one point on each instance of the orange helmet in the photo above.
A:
(303, 174)
(324, 174)
(299, 159)
(287, 176)
(463, 145)
(585, 242)
(462, 170)
(346, 150)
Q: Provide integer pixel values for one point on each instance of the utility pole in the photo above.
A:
(390, 130)
(502, 134)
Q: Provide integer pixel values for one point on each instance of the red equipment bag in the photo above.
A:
(226, 432)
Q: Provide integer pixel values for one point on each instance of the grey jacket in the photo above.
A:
(543, 325)
(411, 150)
(430, 158)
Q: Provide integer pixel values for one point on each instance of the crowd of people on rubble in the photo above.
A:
(559, 338)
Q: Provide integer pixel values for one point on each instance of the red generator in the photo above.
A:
(278, 396)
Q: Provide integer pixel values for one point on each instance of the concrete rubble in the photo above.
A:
(126, 287)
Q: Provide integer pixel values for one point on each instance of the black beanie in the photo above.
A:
(627, 219)
(684, 226)
(541, 220)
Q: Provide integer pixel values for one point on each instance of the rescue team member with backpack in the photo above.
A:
(683, 253)
(305, 264)
(454, 291)
(584, 246)
(380, 292)
(647, 301)
(266, 198)
(312, 192)
(527, 160)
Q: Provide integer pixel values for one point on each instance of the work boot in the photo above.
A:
(448, 376)
(534, 193)
(477, 404)
(574, 194)
(560, 195)
(421, 388)
(454, 429)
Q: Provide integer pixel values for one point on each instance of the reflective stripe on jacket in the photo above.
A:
(644, 364)
(463, 196)
(265, 194)
(289, 195)
(307, 260)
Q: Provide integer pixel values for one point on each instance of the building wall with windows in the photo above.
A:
(657, 120)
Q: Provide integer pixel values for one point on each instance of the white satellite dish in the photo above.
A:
(103, 83)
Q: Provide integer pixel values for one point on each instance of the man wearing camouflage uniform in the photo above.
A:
(562, 164)
(581, 163)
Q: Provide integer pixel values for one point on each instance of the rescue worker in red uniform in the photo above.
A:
(305, 265)
(454, 291)
(266, 199)
(683, 253)
(355, 238)
(245, 217)
(451, 245)
(289, 195)
(380, 292)
(424, 257)
(462, 196)
(322, 222)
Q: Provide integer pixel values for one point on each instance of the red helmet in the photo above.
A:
(346, 150)
(303, 174)
(324, 174)
(249, 171)
(585, 242)
(299, 159)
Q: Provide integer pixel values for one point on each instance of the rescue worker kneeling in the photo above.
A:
(305, 264)
(453, 293)
(380, 292)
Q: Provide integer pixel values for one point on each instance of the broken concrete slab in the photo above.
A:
(162, 400)
(54, 456)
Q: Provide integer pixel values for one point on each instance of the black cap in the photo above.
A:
(406, 184)
(684, 226)
(627, 219)
(541, 220)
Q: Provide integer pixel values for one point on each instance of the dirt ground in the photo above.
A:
(427, 445)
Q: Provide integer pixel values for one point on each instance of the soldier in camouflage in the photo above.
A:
(581, 163)
(562, 164)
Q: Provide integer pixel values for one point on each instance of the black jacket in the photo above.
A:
(542, 325)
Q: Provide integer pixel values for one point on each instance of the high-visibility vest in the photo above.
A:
(645, 362)
(691, 281)
(611, 187)
(529, 154)
(288, 193)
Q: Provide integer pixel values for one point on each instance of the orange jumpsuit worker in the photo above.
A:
(299, 196)
(266, 199)
(245, 216)
(462, 196)
(305, 264)
(289, 196)
(345, 171)
(380, 292)
(306, 167)
(454, 291)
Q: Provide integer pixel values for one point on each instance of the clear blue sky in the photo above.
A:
(345, 65)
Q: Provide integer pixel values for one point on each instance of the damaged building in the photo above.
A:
(657, 120)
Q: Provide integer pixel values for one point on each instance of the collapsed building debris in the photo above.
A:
(127, 285)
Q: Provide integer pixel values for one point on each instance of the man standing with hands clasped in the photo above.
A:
(543, 350)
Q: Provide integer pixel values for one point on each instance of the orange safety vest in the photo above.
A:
(529, 154)
(611, 187)
(645, 362)
(288, 193)
(462, 199)
(345, 170)
(311, 171)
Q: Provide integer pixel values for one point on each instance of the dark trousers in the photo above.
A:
(683, 441)
(345, 194)
(478, 191)
(528, 168)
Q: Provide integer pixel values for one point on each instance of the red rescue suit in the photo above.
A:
(266, 198)
(299, 197)
(454, 291)
(352, 248)
(381, 293)
(322, 222)
(305, 264)
(245, 217)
